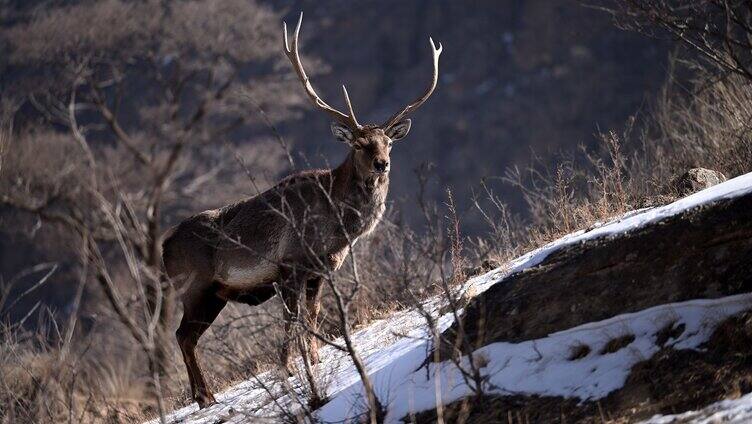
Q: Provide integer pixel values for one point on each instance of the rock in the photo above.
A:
(702, 253)
(697, 179)
(485, 266)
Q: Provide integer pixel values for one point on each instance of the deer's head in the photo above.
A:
(371, 144)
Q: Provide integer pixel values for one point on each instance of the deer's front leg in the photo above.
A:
(198, 314)
(313, 307)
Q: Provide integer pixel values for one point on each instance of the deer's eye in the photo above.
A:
(357, 146)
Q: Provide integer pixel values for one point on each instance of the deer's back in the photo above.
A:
(290, 223)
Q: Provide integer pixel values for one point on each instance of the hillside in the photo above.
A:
(614, 322)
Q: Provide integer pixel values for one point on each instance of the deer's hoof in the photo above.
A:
(289, 369)
(313, 356)
(205, 400)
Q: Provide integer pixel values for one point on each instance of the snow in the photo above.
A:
(394, 349)
(729, 411)
(544, 366)
(379, 344)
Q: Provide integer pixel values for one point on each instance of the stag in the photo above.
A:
(278, 241)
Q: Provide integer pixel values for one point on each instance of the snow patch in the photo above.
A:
(545, 366)
(729, 411)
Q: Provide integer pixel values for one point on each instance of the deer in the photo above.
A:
(274, 242)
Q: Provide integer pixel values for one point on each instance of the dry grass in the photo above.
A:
(708, 126)
(711, 128)
(48, 382)
(101, 375)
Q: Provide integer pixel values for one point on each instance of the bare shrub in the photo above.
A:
(576, 194)
(717, 30)
(710, 129)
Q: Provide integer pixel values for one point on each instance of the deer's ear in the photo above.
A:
(398, 130)
(342, 132)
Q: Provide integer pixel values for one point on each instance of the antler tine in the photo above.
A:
(416, 104)
(350, 108)
(291, 51)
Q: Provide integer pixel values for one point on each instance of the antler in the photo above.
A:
(416, 104)
(294, 56)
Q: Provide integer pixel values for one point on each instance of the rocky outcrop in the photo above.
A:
(703, 253)
(697, 179)
(669, 382)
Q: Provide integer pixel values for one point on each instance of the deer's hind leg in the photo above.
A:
(312, 309)
(290, 287)
(199, 311)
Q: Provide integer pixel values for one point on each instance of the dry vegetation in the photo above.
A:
(96, 182)
(704, 125)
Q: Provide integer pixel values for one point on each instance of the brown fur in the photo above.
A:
(283, 235)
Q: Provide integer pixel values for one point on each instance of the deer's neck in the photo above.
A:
(354, 187)
(363, 197)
